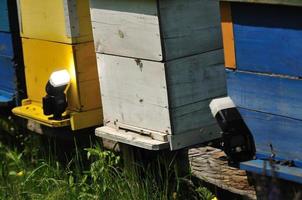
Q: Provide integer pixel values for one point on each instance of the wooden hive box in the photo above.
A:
(263, 43)
(57, 35)
(66, 21)
(11, 65)
(160, 63)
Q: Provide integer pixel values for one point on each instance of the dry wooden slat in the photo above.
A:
(207, 164)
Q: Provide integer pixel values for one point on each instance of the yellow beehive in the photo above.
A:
(66, 21)
(41, 59)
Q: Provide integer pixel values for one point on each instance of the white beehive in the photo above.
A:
(160, 63)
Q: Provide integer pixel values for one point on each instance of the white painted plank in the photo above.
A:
(134, 92)
(126, 28)
(131, 138)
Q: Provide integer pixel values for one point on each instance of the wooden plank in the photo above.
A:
(283, 172)
(46, 20)
(193, 117)
(195, 78)
(283, 133)
(280, 2)
(134, 92)
(264, 93)
(6, 45)
(127, 28)
(4, 17)
(128, 137)
(87, 76)
(189, 27)
(210, 165)
(194, 137)
(269, 41)
(228, 35)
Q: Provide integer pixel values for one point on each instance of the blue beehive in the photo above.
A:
(263, 45)
(11, 67)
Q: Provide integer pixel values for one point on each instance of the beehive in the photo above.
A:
(57, 35)
(160, 63)
(263, 43)
(11, 65)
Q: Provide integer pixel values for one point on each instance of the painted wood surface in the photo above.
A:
(134, 92)
(4, 17)
(194, 117)
(189, 27)
(228, 35)
(147, 29)
(282, 132)
(127, 28)
(42, 58)
(269, 41)
(279, 2)
(264, 93)
(7, 79)
(66, 21)
(195, 78)
(283, 172)
(6, 45)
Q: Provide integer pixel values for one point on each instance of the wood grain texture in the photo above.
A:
(4, 16)
(210, 165)
(195, 78)
(189, 27)
(264, 93)
(134, 92)
(194, 117)
(269, 41)
(282, 132)
(127, 28)
(147, 29)
(228, 35)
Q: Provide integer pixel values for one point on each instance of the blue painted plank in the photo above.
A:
(283, 133)
(7, 79)
(6, 45)
(264, 93)
(4, 18)
(287, 173)
(268, 38)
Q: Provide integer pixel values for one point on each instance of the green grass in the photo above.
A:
(91, 173)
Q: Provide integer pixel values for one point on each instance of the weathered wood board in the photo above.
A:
(160, 63)
(266, 93)
(282, 132)
(147, 29)
(134, 92)
(210, 165)
(195, 78)
(127, 28)
(269, 41)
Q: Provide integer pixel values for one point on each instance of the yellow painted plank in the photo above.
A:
(228, 35)
(48, 20)
(41, 58)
